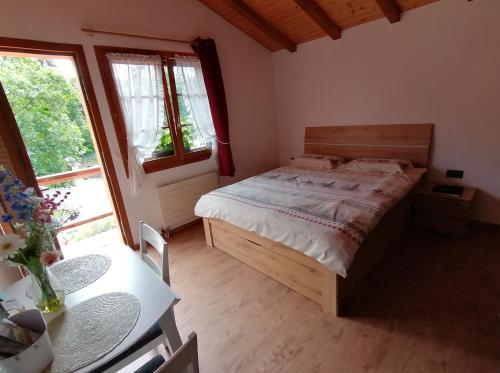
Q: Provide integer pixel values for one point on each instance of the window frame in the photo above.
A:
(180, 157)
(76, 51)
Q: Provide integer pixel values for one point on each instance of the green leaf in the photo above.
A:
(48, 111)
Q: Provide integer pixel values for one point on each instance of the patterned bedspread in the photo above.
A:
(325, 214)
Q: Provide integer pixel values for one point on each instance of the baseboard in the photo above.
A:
(186, 226)
(171, 232)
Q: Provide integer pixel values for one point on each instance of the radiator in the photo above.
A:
(177, 200)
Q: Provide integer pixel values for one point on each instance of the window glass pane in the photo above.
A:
(165, 147)
(193, 139)
(44, 94)
(139, 85)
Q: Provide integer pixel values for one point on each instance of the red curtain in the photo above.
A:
(212, 76)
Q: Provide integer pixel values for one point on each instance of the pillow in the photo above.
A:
(381, 165)
(317, 161)
(336, 160)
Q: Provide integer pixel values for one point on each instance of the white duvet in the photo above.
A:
(325, 214)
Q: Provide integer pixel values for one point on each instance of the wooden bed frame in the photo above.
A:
(304, 274)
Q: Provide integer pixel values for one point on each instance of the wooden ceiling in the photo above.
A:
(279, 24)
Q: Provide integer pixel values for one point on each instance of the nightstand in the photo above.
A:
(443, 213)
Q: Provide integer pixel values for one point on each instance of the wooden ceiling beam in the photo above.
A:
(319, 16)
(391, 10)
(262, 24)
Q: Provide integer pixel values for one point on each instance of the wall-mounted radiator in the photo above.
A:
(177, 200)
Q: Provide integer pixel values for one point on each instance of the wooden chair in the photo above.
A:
(152, 365)
(184, 358)
(151, 236)
(155, 336)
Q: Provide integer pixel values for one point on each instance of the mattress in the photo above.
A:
(324, 214)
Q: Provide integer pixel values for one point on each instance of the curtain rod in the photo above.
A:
(91, 32)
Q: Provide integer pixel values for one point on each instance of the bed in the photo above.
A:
(319, 252)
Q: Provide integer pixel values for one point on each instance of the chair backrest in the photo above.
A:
(151, 236)
(184, 358)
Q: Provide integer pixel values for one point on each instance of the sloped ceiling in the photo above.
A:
(280, 24)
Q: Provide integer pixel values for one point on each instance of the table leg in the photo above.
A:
(169, 328)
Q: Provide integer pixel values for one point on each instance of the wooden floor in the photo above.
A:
(433, 306)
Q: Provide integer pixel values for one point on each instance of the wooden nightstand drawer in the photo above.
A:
(442, 206)
(443, 213)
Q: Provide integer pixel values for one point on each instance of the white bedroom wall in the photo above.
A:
(440, 64)
(246, 67)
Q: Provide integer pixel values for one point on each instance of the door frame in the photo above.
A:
(9, 130)
(104, 154)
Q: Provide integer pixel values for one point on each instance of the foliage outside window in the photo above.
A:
(49, 114)
(166, 106)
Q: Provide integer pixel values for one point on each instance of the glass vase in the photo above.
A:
(46, 290)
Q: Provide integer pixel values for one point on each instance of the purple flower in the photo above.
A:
(24, 217)
(19, 207)
(9, 197)
(3, 175)
(23, 195)
(8, 186)
(7, 218)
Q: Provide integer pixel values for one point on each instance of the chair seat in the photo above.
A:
(152, 333)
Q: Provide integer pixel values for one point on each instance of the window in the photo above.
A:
(159, 105)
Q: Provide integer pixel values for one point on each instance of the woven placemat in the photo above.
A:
(76, 273)
(89, 330)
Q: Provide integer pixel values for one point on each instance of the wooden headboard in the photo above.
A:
(406, 141)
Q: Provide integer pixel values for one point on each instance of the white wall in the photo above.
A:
(8, 275)
(440, 64)
(246, 68)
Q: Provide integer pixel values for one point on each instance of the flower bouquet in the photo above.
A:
(35, 221)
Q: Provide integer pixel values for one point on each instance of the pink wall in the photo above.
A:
(246, 66)
(440, 64)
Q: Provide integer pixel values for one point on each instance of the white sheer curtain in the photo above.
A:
(196, 93)
(138, 79)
